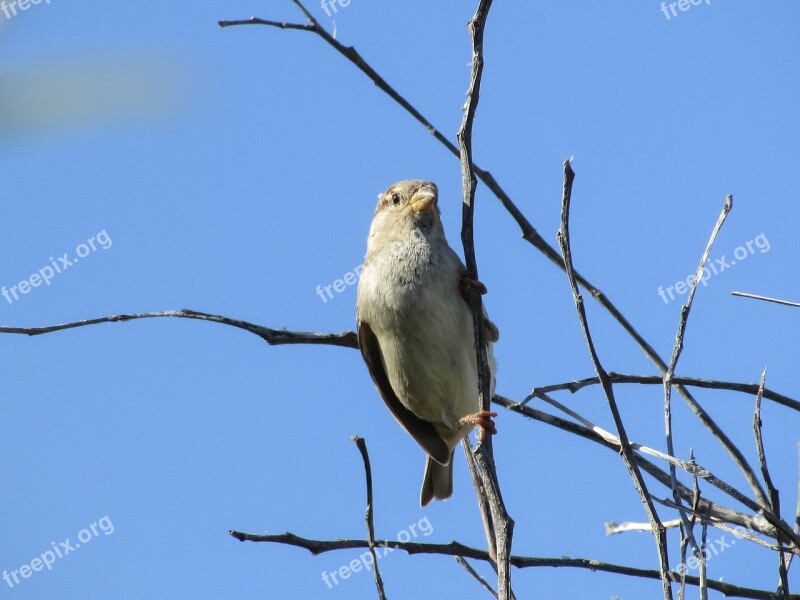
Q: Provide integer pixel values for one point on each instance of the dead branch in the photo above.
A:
(627, 454)
(317, 547)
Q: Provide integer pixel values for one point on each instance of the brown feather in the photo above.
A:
(422, 431)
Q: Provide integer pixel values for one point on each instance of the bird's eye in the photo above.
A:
(395, 198)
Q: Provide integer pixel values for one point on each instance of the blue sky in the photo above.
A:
(234, 171)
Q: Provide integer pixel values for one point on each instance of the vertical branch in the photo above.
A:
(796, 528)
(502, 526)
(703, 566)
(483, 501)
(774, 497)
(684, 544)
(695, 510)
(659, 532)
(676, 353)
(362, 447)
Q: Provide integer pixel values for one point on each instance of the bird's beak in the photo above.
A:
(422, 201)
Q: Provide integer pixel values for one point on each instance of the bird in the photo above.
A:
(416, 332)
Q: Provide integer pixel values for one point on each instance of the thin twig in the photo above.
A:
(796, 528)
(703, 563)
(765, 298)
(774, 496)
(717, 510)
(704, 522)
(745, 388)
(317, 547)
(274, 337)
(625, 449)
(278, 24)
(368, 517)
(689, 467)
(673, 363)
(737, 531)
(683, 547)
(468, 568)
(613, 528)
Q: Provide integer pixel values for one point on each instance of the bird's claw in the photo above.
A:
(483, 421)
(467, 283)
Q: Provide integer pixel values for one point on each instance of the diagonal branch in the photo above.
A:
(690, 467)
(468, 568)
(626, 452)
(612, 443)
(765, 298)
(673, 363)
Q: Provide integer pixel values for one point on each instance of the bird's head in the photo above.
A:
(408, 208)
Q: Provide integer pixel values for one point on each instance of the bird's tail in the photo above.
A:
(438, 481)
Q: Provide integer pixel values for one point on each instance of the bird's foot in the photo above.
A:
(483, 421)
(467, 283)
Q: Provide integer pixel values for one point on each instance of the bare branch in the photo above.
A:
(745, 388)
(317, 547)
(703, 564)
(468, 568)
(625, 449)
(704, 521)
(765, 298)
(717, 510)
(368, 517)
(257, 21)
(613, 528)
(689, 467)
(274, 337)
(774, 497)
(502, 525)
(676, 352)
(737, 531)
(796, 527)
(482, 497)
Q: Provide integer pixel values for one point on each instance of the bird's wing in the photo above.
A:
(422, 431)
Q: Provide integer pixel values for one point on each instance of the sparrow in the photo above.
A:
(415, 329)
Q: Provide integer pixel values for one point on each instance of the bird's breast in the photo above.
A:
(413, 305)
